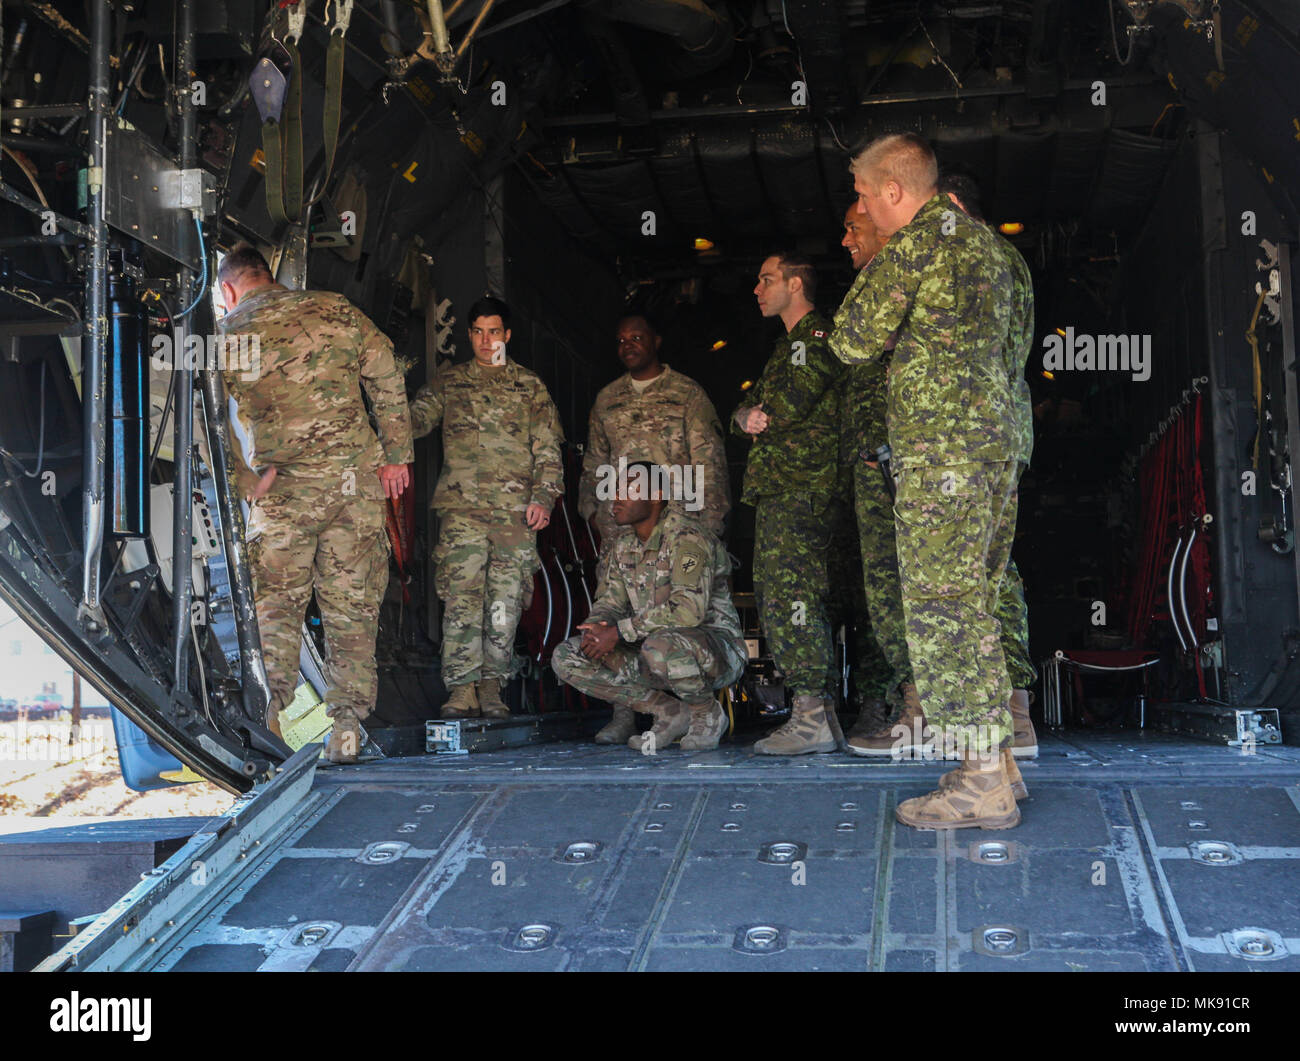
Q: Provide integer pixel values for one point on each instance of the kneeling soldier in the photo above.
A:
(664, 624)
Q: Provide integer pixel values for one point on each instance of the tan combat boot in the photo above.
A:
(1018, 787)
(672, 720)
(708, 721)
(874, 714)
(619, 728)
(490, 704)
(1025, 745)
(978, 796)
(907, 737)
(807, 731)
(273, 722)
(344, 743)
(462, 702)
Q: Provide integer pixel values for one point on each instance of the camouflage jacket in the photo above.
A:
(670, 422)
(942, 283)
(1019, 344)
(797, 453)
(500, 438)
(300, 404)
(678, 577)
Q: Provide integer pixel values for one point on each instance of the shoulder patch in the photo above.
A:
(690, 562)
(820, 334)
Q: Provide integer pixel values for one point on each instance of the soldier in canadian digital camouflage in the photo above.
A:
(501, 475)
(664, 634)
(863, 427)
(317, 519)
(941, 288)
(653, 413)
(792, 414)
(1011, 611)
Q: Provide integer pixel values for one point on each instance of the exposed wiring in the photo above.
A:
(939, 57)
(203, 277)
(835, 134)
(1114, 40)
(29, 174)
(167, 405)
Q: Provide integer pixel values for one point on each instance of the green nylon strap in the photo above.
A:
(282, 141)
(292, 132)
(333, 106)
(274, 172)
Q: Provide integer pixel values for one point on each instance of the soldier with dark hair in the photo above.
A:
(317, 520)
(501, 474)
(1012, 612)
(792, 414)
(664, 634)
(941, 288)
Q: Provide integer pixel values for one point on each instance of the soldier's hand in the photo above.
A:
(754, 421)
(396, 478)
(598, 639)
(263, 484)
(536, 517)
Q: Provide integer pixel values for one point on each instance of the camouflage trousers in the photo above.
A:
(1013, 617)
(792, 536)
(954, 527)
(483, 572)
(307, 535)
(688, 663)
(846, 607)
(880, 576)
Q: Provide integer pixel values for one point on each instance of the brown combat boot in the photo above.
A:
(907, 737)
(1018, 787)
(273, 721)
(672, 720)
(462, 702)
(978, 796)
(1025, 745)
(490, 704)
(874, 714)
(807, 730)
(344, 743)
(708, 721)
(620, 727)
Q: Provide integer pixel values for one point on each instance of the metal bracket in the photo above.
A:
(442, 737)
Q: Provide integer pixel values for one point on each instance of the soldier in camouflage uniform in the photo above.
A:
(501, 474)
(652, 413)
(663, 634)
(317, 519)
(941, 287)
(863, 432)
(792, 414)
(1011, 611)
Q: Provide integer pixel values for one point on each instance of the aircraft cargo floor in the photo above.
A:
(1136, 852)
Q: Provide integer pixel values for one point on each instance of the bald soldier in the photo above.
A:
(940, 286)
(664, 634)
(652, 413)
(317, 519)
(501, 474)
(865, 392)
(1012, 612)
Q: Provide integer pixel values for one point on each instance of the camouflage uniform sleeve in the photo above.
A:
(545, 438)
(613, 602)
(597, 453)
(383, 383)
(706, 448)
(426, 408)
(863, 325)
(690, 588)
(803, 385)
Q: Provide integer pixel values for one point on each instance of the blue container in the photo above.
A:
(143, 760)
